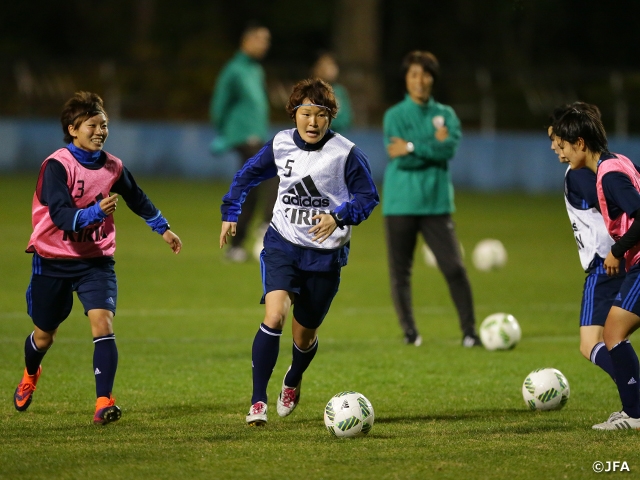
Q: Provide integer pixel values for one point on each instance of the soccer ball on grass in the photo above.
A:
(489, 254)
(500, 331)
(349, 414)
(545, 389)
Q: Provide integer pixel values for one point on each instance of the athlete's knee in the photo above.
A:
(586, 348)
(275, 319)
(613, 334)
(101, 322)
(304, 341)
(43, 340)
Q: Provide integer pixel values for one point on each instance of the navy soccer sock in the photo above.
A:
(264, 355)
(625, 364)
(105, 364)
(600, 357)
(301, 360)
(32, 356)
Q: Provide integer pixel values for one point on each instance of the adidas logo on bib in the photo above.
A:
(305, 194)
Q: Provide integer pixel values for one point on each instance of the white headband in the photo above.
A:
(309, 105)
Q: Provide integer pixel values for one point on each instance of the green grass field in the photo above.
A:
(184, 329)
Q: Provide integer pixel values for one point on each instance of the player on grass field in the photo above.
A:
(73, 243)
(594, 243)
(582, 141)
(325, 188)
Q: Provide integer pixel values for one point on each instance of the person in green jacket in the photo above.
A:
(326, 68)
(239, 111)
(421, 136)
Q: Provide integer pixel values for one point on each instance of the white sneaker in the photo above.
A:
(288, 398)
(237, 255)
(470, 341)
(257, 415)
(412, 338)
(619, 421)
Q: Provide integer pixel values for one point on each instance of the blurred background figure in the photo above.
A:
(239, 111)
(421, 136)
(326, 68)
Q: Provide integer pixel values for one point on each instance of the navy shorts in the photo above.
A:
(630, 292)
(49, 299)
(598, 295)
(313, 291)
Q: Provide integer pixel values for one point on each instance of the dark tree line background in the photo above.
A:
(505, 63)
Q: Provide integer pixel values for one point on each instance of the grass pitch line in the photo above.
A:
(259, 310)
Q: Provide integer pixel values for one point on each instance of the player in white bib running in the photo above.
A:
(582, 143)
(325, 188)
(594, 243)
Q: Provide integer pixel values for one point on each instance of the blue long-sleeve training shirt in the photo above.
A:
(66, 216)
(357, 174)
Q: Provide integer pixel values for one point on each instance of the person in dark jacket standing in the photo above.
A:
(240, 112)
(421, 136)
(326, 67)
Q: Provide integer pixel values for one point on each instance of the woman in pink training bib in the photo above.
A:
(583, 143)
(73, 243)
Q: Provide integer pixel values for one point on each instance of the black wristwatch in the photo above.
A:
(338, 220)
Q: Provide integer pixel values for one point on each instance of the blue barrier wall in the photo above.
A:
(503, 161)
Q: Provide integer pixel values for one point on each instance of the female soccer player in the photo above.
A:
(582, 141)
(325, 188)
(594, 243)
(73, 243)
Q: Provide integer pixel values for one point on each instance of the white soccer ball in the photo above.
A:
(545, 389)
(257, 249)
(430, 258)
(500, 331)
(489, 254)
(349, 414)
(258, 243)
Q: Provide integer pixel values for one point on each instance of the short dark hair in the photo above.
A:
(316, 90)
(426, 60)
(584, 106)
(576, 123)
(562, 109)
(77, 109)
(251, 27)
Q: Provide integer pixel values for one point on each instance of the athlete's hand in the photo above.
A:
(228, 228)
(325, 227)
(612, 265)
(108, 205)
(173, 240)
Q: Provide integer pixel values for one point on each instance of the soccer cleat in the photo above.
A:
(288, 398)
(257, 416)
(411, 337)
(106, 411)
(469, 341)
(619, 421)
(24, 392)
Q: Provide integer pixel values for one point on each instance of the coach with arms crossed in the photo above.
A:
(421, 136)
